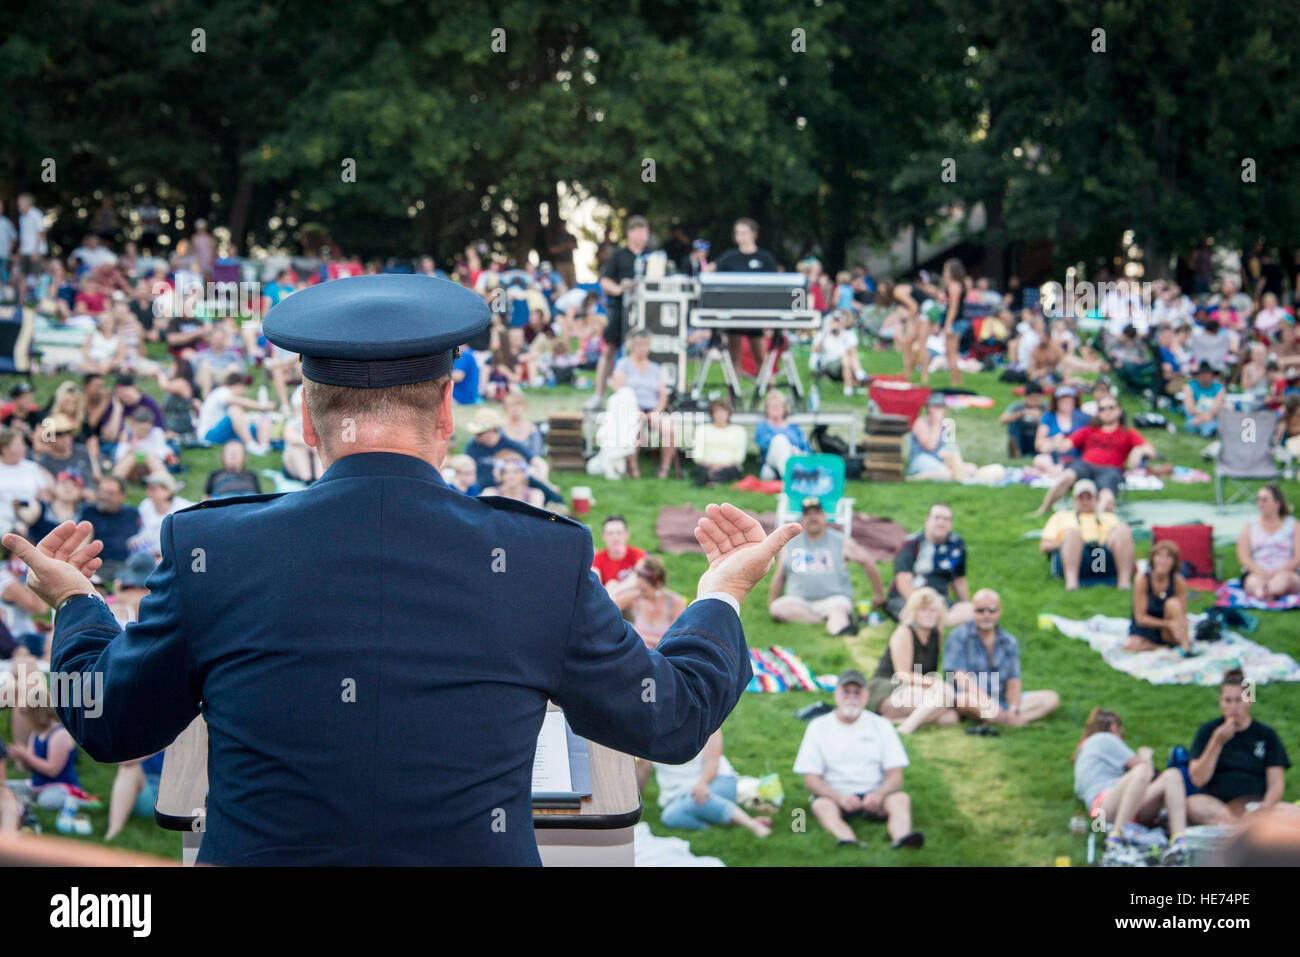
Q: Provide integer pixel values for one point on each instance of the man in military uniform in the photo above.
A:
(373, 655)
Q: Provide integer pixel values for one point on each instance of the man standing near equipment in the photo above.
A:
(387, 711)
(617, 277)
(746, 257)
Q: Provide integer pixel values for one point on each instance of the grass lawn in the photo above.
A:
(980, 801)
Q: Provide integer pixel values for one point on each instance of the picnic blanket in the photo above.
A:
(675, 528)
(1226, 519)
(780, 669)
(1166, 667)
(651, 850)
(1000, 476)
(1232, 595)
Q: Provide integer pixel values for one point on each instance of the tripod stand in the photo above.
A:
(768, 373)
(717, 352)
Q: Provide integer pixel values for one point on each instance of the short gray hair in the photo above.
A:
(413, 406)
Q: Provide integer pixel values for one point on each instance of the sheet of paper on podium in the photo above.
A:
(561, 766)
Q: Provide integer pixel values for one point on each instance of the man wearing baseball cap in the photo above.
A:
(1083, 539)
(852, 763)
(812, 581)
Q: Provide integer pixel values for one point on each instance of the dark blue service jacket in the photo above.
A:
(373, 656)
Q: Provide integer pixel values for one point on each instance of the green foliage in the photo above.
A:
(1077, 145)
(828, 137)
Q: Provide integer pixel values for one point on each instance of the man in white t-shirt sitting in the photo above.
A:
(21, 479)
(835, 352)
(228, 414)
(852, 763)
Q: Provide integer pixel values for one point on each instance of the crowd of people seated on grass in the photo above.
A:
(548, 329)
(153, 378)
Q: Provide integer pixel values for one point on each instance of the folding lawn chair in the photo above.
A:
(1245, 454)
(896, 397)
(819, 475)
(1195, 545)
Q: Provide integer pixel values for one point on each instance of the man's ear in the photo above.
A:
(308, 428)
(446, 420)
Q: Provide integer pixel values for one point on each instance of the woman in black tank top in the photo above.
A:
(907, 687)
(1160, 604)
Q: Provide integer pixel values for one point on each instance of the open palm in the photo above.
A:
(61, 565)
(739, 553)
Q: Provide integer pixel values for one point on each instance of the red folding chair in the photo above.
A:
(1196, 546)
(901, 399)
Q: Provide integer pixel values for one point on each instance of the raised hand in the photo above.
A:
(61, 565)
(739, 553)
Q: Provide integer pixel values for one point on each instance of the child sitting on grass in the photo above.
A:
(1120, 786)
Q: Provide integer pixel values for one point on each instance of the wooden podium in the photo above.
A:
(597, 834)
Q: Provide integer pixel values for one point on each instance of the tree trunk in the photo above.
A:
(529, 233)
(238, 222)
(994, 266)
(239, 210)
(554, 230)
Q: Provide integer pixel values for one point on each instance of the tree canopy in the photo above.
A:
(828, 121)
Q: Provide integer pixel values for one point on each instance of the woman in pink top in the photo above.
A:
(653, 607)
(1269, 548)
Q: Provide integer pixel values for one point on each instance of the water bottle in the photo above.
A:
(1078, 824)
(814, 398)
(262, 395)
(874, 619)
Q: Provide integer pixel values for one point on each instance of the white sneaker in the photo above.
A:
(848, 390)
(257, 448)
(593, 404)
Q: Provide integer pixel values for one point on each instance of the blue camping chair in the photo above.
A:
(819, 475)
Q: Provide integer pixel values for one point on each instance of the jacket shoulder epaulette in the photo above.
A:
(514, 505)
(230, 500)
